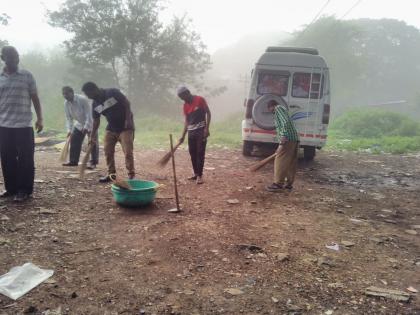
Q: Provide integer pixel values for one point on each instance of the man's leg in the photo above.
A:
(8, 156)
(94, 157)
(201, 153)
(192, 148)
(111, 139)
(76, 145)
(26, 164)
(282, 163)
(290, 177)
(127, 143)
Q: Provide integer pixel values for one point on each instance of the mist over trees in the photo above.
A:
(371, 61)
(126, 41)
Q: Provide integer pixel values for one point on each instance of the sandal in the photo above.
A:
(194, 177)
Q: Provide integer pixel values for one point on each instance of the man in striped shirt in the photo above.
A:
(17, 93)
(285, 163)
(197, 122)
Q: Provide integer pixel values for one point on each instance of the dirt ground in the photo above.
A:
(111, 260)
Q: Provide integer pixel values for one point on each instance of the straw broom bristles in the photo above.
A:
(85, 161)
(65, 151)
(260, 164)
(118, 181)
(165, 159)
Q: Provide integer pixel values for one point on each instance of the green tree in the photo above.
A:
(371, 61)
(4, 20)
(126, 38)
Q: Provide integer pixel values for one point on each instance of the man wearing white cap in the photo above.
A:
(197, 122)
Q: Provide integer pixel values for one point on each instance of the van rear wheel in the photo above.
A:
(247, 148)
(309, 153)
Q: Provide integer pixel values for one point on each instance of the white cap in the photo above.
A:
(181, 89)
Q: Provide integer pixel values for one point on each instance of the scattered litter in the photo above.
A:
(4, 218)
(209, 168)
(21, 279)
(411, 232)
(333, 246)
(412, 290)
(39, 181)
(329, 312)
(274, 300)
(3, 241)
(233, 201)
(234, 291)
(388, 294)
(357, 221)
(249, 188)
(415, 226)
(188, 292)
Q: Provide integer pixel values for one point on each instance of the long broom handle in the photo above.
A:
(260, 164)
(174, 171)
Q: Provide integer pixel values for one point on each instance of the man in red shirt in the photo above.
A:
(197, 122)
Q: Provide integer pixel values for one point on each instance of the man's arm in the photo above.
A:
(88, 116)
(95, 127)
(129, 120)
(184, 131)
(208, 119)
(39, 124)
(69, 119)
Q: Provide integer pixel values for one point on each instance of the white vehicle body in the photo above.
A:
(300, 77)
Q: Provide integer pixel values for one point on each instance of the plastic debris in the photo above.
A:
(21, 279)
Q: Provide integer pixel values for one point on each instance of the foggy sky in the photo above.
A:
(220, 22)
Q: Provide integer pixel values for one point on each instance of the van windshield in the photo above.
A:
(302, 84)
(273, 83)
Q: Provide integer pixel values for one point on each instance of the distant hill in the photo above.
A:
(232, 67)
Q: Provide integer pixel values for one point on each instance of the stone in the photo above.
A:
(4, 218)
(347, 243)
(234, 291)
(275, 300)
(395, 295)
(411, 232)
(281, 257)
(233, 201)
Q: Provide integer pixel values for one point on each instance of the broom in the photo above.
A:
(165, 159)
(260, 164)
(65, 150)
(119, 182)
(85, 161)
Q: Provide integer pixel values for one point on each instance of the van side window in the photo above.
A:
(272, 83)
(302, 84)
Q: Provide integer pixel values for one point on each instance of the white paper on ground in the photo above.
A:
(21, 279)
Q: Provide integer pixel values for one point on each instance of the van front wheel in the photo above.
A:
(309, 153)
(247, 148)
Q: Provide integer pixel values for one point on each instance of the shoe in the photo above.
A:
(6, 194)
(194, 177)
(131, 176)
(274, 187)
(105, 179)
(199, 180)
(70, 164)
(91, 166)
(289, 187)
(21, 197)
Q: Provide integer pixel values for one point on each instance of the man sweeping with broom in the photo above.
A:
(197, 123)
(285, 163)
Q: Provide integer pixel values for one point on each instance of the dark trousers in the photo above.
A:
(17, 149)
(76, 142)
(197, 147)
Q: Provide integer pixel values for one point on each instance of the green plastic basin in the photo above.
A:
(142, 193)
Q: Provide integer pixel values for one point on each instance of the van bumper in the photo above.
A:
(250, 132)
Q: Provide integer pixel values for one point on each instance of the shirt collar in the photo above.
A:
(4, 73)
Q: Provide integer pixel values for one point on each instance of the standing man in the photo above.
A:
(116, 108)
(17, 146)
(197, 123)
(79, 123)
(285, 163)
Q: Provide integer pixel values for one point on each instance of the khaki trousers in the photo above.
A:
(126, 139)
(285, 164)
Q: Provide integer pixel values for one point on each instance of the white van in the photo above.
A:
(298, 78)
